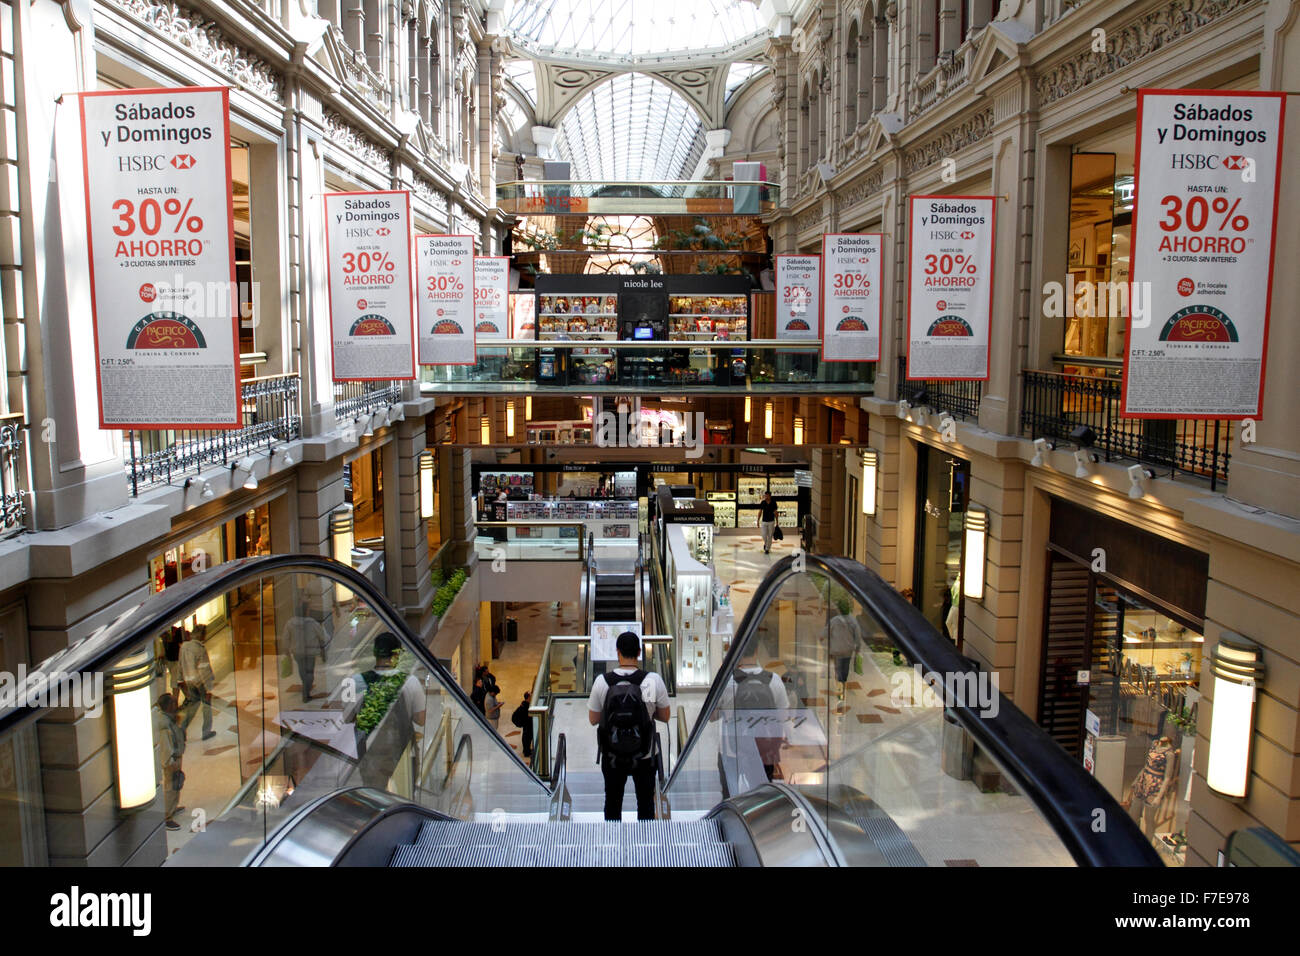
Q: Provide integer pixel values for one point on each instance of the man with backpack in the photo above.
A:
(753, 695)
(624, 705)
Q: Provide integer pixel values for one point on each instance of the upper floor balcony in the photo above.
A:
(665, 198)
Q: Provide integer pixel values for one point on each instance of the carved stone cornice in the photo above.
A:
(205, 39)
(949, 141)
(345, 136)
(858, 191)
(434, 197)
(1127, 44)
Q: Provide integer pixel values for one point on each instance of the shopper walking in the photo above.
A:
(767, 520)
(196, 672)
(623, 706)
(307, 642)
(173, 749)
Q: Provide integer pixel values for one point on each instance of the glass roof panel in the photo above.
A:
(738, 73)
(632, 127)
(523, 75)
(633, 27)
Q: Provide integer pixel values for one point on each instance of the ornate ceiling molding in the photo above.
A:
(205, 39)
(1129, 43)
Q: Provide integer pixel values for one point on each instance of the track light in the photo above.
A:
(919, 415)
(1139, 476)
(207, 491)
(904, 406)
(369, 430)
(947, 427)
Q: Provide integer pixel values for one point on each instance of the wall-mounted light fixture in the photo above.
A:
(1238, 672)
(129, 688)
(1082, 461)
(1139, 476)
(749, 409)
(340, 528)
(769, 421)
(249, 467)
(1041, 448)
(369, 430)
(528, 409)
(426, 484)
(485, 430)
(510, 419)
(904, 407)
(972, 572)
(870, 464)
(798, 430)
(947, 427)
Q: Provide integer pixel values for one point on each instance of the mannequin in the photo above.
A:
(1152, 783)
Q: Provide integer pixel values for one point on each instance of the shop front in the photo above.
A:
(1121, 663)
(942, 493)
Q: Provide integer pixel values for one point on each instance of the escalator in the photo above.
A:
(337, 739)
(613, 587)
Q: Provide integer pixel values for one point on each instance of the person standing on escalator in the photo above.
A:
(624, 705)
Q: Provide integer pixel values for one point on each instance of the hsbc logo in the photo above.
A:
(1194, 161)
(947, 234)
(968, 234)
(1235, 162)
(383, 231)
(183, 161)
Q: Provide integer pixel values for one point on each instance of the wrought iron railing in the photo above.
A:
(13, 472)
(961, 399)
(358, 398)
(271, 414)
(1055, 404)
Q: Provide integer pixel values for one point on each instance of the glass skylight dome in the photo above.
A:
(633, 28)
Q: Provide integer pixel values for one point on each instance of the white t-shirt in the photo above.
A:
(653, 691)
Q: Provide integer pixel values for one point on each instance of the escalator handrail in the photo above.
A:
(560, 783)
(158, 611)
(1059, 787)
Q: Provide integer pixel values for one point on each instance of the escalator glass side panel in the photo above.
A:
(262, 691)
(872, 720)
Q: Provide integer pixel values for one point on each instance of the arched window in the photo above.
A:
(927, 36)
(805, 124)
(880, 64)
(866, 69)
(375, 12)
(850, 67)
(815, 116)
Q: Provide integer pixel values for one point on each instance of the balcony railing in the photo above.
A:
(667, 197)
(271, 414)
(13, 471)
(1054, 404)
(360, 398)
(962, 399)
(601, 367)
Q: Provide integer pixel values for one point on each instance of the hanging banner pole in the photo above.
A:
(160, 220)
(852, 280)
(950, 287)
(368, 246)
(445, 275)
(1204, 226)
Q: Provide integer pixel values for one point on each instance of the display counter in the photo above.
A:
(690, 585)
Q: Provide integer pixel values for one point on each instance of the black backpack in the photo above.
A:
(626, 729)
(752, 690)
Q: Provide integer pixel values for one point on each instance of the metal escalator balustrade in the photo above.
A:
(839, 688)
(305, 701)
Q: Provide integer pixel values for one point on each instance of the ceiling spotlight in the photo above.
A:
(1139, 476)
(1041, 448)
(1082, 459)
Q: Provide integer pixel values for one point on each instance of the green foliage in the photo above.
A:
(379, 697)
(446, 592)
